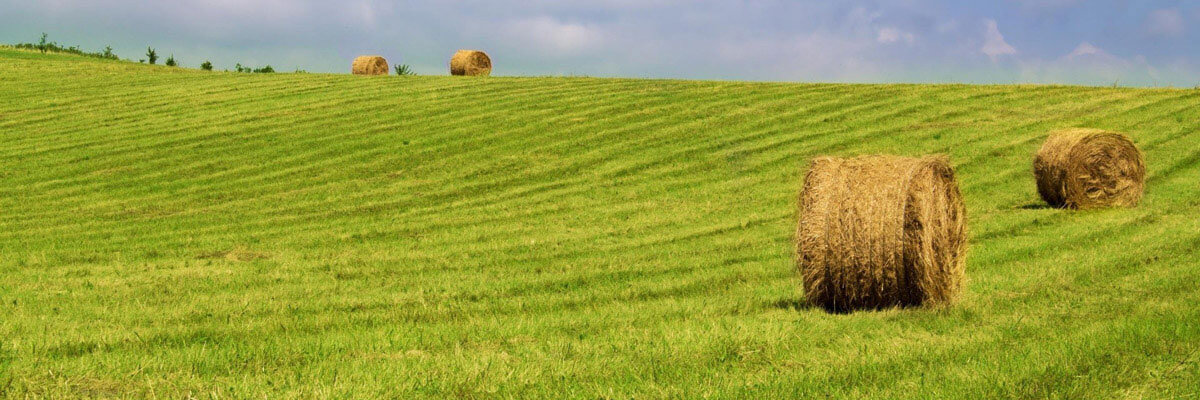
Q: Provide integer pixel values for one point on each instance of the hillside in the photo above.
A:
(166, 232)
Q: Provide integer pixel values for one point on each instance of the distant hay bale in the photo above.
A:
(881, 231)
(1089, 168)
(470, 63)
(369, 65)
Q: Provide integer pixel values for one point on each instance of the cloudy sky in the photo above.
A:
(1093, 42)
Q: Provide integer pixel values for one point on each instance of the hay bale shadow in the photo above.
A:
(791, 303)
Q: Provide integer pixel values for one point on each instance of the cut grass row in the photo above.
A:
(166, 232)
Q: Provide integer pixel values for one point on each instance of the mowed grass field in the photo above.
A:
(173, 233)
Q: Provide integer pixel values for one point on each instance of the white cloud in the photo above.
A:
(1091, 65)
(551, 34)
(860, 16)
(994, 44)
(1165, 22)
(1087, 49)
(807, 57)
(893, 35)
(947, 26)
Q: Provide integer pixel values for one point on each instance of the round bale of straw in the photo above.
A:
(470, 63)
(881, 231)
(1089, 168)
(369, 65)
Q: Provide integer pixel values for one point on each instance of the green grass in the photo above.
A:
(168, 232)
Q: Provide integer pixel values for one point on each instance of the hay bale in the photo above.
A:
(1089, 168)
(369, 65)
(470, 63)
(881, 231)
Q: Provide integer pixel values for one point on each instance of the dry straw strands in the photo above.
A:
(1089, 168)
(369, 65)
(881, 231)
(470, 63)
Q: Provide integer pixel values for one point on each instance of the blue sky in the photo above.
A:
(1133, 43)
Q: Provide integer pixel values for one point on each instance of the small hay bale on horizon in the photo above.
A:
(1089, 168)
(369, 65)
(470, 63)
(881, 231)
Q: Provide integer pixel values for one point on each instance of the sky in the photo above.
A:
(1086, 42)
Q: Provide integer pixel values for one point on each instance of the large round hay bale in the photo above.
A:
(881, 231)
(1089, 168)
(470, 63)
(369, 65)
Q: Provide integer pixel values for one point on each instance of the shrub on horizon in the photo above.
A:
(404, 70)
(46, 46)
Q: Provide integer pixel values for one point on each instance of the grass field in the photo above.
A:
(170, 233)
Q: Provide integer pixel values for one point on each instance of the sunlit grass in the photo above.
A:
(166, 232)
